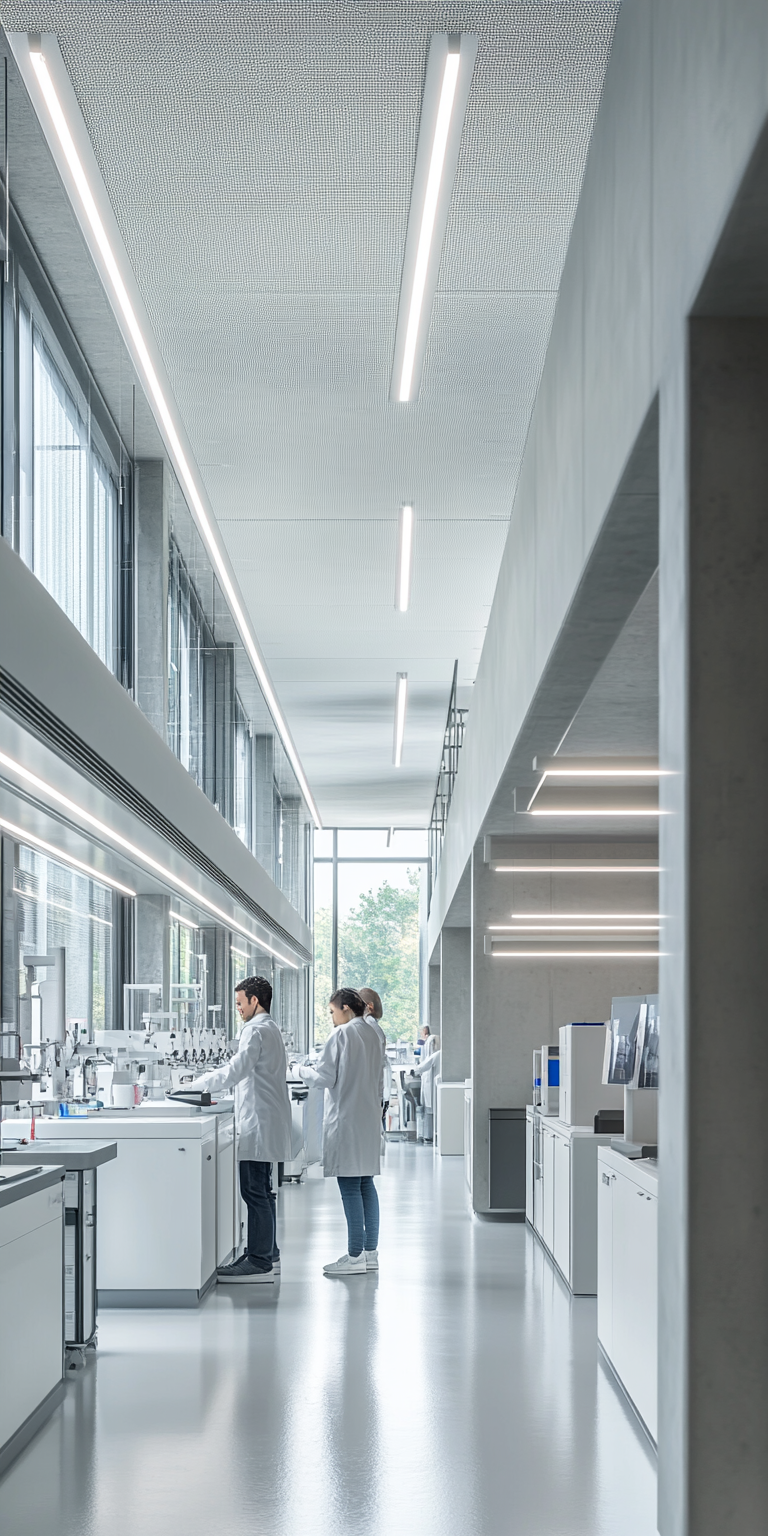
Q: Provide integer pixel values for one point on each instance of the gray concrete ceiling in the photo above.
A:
(258, 158)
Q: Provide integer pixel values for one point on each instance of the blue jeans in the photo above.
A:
(256, 1190)
(361, 1208)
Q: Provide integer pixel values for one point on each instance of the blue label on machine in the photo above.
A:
(553, 1072)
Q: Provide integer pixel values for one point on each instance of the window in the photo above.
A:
(68, 495)
(58, 908)
(243, 777)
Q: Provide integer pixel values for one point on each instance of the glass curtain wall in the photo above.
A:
(219, 726)
(55, 907)
(369, 922)
(70, 521)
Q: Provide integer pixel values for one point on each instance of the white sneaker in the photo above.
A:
(346, 1265)
(275, 1266)
(372, 1258)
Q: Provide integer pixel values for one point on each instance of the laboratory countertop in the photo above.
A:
(642, 1171)
(17, 1185)
(63, 1153)
(122, 1124)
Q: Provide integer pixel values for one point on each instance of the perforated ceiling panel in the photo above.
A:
(259, 160)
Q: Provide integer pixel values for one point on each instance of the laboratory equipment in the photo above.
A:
(550, 1079)
(582, 1092)
(79, 1162)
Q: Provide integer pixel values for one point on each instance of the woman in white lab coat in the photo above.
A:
(350, 1070)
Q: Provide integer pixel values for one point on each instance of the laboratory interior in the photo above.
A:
(384, 604)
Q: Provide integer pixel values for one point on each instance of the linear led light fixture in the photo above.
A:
(585, 917)
(594, 811)
(80, 815)
(448, 77)
(186, 922)
(404, 558)
(585, 928)
(580, 773)
(64, 858)
(47, 80)
(401, 701)
(515, 868)
(574, 954)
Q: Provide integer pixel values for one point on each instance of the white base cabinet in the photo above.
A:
(627, 1307)
(31, 1305)
(158, 1233)
(561, 1195)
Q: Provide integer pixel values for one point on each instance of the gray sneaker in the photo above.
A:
(244, 1272)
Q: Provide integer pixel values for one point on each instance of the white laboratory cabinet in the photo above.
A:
(166, 1208)
(561, 1195)
(627, 1277)
(468, 1131)
(31, 1303)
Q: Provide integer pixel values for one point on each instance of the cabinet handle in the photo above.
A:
(209, 1157)
(182, 1149)
(606, 1178)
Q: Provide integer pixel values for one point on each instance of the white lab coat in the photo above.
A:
(350, 1070)
(386, 1071)
(429, 1072)
(258, 1075)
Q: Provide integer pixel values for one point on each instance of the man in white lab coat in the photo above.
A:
(258, 1074)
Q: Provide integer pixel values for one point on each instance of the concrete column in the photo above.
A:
(517, 1005)
(151, 516)
(153, 943)
(713, 1130)
(455, 1003)
(434, 1000)
(264, 802)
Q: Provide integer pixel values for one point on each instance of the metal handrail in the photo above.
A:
(453, 740)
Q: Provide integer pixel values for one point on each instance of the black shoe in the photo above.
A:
(244, 1272)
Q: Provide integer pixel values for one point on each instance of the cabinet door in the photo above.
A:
(605, 1180)
(634, 1341)
(226, 1238)
(548, 1186)
(31, 1313)
(528, 1169)
(562, 1205)
(149, 1234)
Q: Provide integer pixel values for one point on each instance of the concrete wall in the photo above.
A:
(456, 1004)
(685, 97)
(518, 1005)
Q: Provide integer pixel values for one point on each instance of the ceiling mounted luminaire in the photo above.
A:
(401, 700)
(604, 787)
(63, 858)
(404, 558)
(578, 946)
(584, 867)
(448, 77)
(81, 817)
(53, 98)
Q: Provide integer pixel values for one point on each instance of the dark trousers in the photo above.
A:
(256, 1190)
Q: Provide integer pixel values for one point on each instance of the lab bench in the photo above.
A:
(627, 1277)
(31, 1302)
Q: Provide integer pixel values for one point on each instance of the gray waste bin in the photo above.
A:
(506, 1159)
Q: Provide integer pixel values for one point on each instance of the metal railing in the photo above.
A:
(453, 740)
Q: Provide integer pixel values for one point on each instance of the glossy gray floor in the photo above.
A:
(457, 1393)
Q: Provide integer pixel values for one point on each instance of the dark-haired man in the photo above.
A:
(258, 1074)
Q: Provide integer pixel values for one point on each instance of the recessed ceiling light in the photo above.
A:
(448, 77)
(404, 558)
(401, 700)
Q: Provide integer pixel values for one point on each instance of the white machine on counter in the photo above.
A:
(546, 1079)
(582, 1092)
(631, 1062)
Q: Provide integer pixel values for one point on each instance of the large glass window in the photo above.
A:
(57, 907)
(369, 924)
(68, 494)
